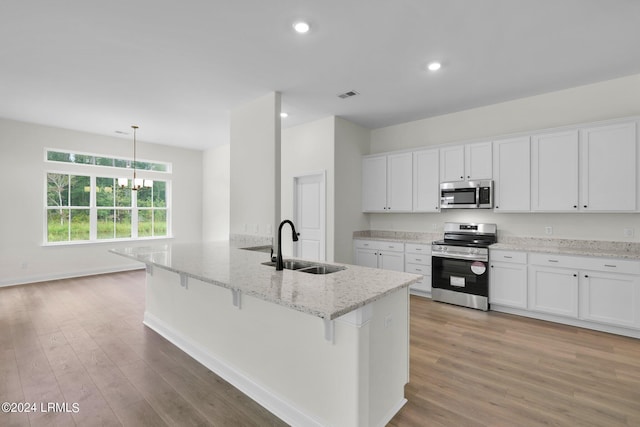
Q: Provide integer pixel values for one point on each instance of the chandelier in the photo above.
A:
(136, 183)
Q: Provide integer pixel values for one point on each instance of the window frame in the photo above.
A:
(96, 171)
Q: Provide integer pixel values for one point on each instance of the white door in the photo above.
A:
(511, 172)
(554, 172)
(399, 182)
(478, 161)
(452, 164)
(426, 173)
(608, 168)
(374, 184)
(309, 216)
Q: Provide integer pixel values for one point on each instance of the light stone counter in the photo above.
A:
(397, 236)
(326, 296)
(595, 248)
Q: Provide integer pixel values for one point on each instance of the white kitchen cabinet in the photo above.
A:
(400, 182)
(608, 168)
(387, 183)
(417, 259)
(374, 184)
(426, 183)
(553, 290)
(512, 175)
(478, 161)
(466, 162)
(610, 298)
(554, 172)
(452, 163)
(508, 279)
(379, 254)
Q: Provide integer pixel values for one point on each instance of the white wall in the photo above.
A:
(351, 143)
(255, 166)
(600, 101)
(22, 171)
(215, 193)
(308, 148)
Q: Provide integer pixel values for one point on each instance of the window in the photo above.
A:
(96, 160)
(86, 207)
(67, 207)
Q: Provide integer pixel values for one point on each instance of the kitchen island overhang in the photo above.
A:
(313, 349)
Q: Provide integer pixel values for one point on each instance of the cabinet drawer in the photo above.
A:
(391, 246)
(425, 270)
(586, 263)
(508, 256)
(417, 248)
(551, 260)
(366, 244)
(612, 265)
(418, 259)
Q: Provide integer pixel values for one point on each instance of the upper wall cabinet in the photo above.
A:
(426, 188)
(608, 168)
(554, 172)
(466, 162)
(511, 173)
(387, 183)
(590, 170)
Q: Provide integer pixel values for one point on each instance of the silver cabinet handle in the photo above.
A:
(610, 265)
(552, 260)
(508, 257)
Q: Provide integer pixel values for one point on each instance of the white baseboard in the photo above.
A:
(277, 405)
(67, 275)
(392, 413)
(611, 329)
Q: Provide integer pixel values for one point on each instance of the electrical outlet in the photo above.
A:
(24, 265)
(269, 229)
(548, 230)
(434, 227)
(628, 232)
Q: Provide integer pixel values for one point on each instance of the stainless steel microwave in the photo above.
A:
(466, 195)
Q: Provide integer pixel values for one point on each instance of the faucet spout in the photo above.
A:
(279, 262)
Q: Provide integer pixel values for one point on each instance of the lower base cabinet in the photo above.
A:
(553, 291)
(508, 284)
(610, 298)
(418, 261)
(596, 293)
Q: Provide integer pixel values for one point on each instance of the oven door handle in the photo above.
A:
(477, 197)
(462, 257)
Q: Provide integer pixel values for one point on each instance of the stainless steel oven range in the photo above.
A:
(459, 264)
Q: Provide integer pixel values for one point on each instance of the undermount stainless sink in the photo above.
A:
(306, 266)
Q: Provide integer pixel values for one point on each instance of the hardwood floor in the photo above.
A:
(471, 368)
(82, 341)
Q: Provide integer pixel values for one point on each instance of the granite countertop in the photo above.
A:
(595, 248)
(219, 263)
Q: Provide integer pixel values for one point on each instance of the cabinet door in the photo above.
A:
(367, 257)
(399, 182)
(608, 168)
(508, 284)
(478, 161)
(554, 172)
(610, 298)
(511, 172)
(391, 260)
(553, 290)
(426, 184)
(374, 184)
(452, 164)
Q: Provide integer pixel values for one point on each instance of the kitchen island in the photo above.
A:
(313, 349)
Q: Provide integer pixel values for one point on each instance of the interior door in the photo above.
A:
(309, 209)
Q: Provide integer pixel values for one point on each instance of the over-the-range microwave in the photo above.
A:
(466, 195)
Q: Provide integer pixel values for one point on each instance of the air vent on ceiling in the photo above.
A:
(348, 94)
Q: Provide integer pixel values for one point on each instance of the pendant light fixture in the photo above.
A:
(136, 183)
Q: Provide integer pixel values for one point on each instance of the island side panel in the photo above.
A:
(280, 357)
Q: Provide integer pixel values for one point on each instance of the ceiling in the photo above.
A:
(177, 68)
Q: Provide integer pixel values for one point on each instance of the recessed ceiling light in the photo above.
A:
(434, 66)
(284, 115)
(301, 27)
